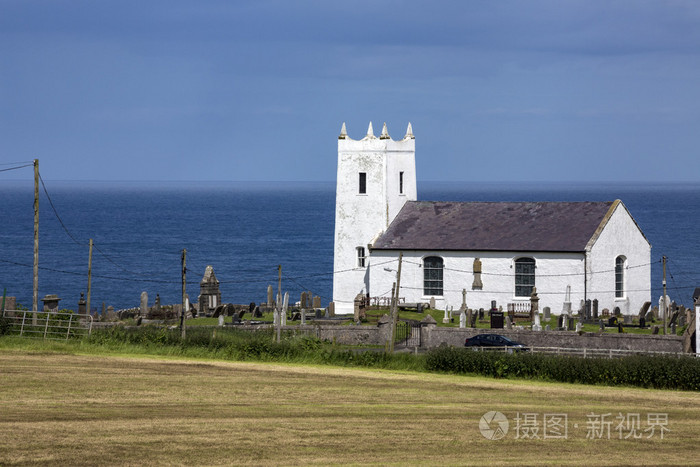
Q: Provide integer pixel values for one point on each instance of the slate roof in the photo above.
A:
(544, 226)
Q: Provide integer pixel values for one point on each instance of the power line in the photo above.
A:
(57, 216)
(18, 167)
(62, 271)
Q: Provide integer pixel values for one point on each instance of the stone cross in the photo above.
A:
(464, 299)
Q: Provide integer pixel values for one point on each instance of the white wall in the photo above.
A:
(360, 218)
(554, 271)
(621, 236)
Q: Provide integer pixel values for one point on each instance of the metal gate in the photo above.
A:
(45, 325)
(408, 334)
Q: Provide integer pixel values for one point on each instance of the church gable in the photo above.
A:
(500, 226)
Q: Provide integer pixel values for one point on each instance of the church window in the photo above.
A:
(363, 183)
(361, 257)
(524, 276)
(620, 277)
(432, 275)
(400, 183)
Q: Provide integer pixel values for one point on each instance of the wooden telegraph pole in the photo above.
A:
(89, 287)
(395, 310)
(35, 294)
(184, 282)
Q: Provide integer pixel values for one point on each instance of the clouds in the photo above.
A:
(173, 80)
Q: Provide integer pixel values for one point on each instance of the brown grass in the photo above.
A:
(67, 409)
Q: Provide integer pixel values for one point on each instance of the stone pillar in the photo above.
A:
(595, 309)
(427, 324)
(51, 303)
(144, 304)
(534, 304)
(331, 309)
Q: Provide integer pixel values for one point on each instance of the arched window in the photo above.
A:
(620, 276)
(432, 275)
(524, 276)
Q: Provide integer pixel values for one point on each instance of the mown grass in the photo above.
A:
(64, 409)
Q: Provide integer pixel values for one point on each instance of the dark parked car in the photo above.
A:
(495, 340)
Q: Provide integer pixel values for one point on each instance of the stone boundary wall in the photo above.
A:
(433, 336)
(346, 335)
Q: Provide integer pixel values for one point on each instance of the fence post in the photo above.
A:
(584, 352)
(46, 328)
(70, 321)
(21, 329)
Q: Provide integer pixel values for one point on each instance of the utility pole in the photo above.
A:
(278, 308)
(35, 294)
(89, 287)
(665, 305)
(395, 310)
(184, 283)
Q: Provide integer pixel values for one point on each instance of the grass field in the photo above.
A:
(71, 409)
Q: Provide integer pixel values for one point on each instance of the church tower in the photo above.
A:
(376, 176)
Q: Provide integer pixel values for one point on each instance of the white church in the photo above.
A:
(477, 251)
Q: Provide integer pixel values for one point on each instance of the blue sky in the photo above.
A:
(231, 90)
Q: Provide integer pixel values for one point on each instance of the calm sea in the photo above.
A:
(245, 230)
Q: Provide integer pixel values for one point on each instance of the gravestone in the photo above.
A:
(595, 309)
(477, 284)
(481, 313)
(579, 326)
(566, 308)
(496, 320)
(81, 304)
(548, 328)
(655, 330)
(561, 322)
(270, 297)
(606, 313)
(445, 318)
(571, 323)
(643, 310)
(221, 319)
(602, 326)
(616, 311)
(319, 313)
(628, 319)
(547, 314)
(509, 323)
(537, 326)
(681, 320)
(317, 302)
(650, 316)
(464, 300)
(331, 309)
(432, 303)
(587, 311)
(257, 313)
(50, 303)
(303, 300)
(144, 303)
(462, 319)
(642, 322)
(285, 305)
(472, 324)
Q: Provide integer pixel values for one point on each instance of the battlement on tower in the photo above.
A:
(371, 143)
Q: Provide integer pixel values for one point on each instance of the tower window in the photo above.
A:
(524, 276)
(361, 257)
(400, 183)
(363, 183)
(432, 275)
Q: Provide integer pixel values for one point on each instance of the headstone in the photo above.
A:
(285, 305)
(331, 309)
(588, 312)
(547, 314)
(571, 323)
(110, 316)
(537, 326)
(650, 316)
(566, 308)
(509, 323)
(606, 313)
(51, 302)
(548, 328)
(643, 310)
(270, 297)
(655, 330)
(81, 304)
(432, 303)
(627, 319)
(496, 319)
(445, 319)
(673, 329)
(616, 311)
(579, 326)
(560, 321)
(473, 320)
(469, 316)
(327, 313)
(477, 284)
(257, 313)
(157, 305)
(221, 319)
(681, 320)
(481, 313)
(602, 326)
(595, 309)
(317, 302)
(319, 313)
(642, 322)
(144, 303)
(462, 320)
(303, 301)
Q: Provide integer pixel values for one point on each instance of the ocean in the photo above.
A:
(246, 229)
